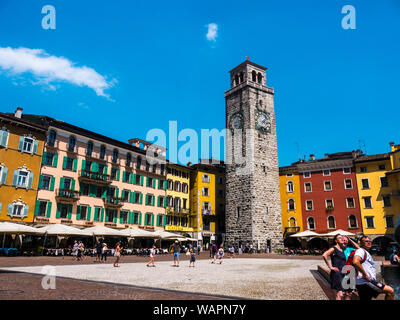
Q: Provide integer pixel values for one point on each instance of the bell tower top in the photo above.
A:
(248, 72)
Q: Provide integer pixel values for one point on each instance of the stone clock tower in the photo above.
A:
(253, 207)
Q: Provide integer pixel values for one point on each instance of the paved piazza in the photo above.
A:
(271, 279)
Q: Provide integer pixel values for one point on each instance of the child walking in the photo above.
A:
(152, 254)
(192, 258)
(220, 253)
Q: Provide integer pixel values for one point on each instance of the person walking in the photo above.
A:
(192, 258)
(82, 249)
(152, 256)
(98, 251)
(220, 253)
(117, 254)
(104, 252)
(338, 260)
(231, 252)
(366, 283)
(214, 250)
(75, 250)
(198, 249)
(175, 250)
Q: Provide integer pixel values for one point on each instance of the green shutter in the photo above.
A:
(65, 163)
(158, 201)
(165, 184)
(117, 192)
(145, 219)
(121, 217)
(153, 200)
(58, 210)
(48, 213)
(44, 156)
(83, 165)
(55, 160)
(140, 218)
(20, 143)
(61, 183)
(70, 211)
(154, 183)
(141, 198)
(118, 171)
(52, 182)
(40, 182)
(102, 215)
(134, 178)
(123, 194)
(115, 217)
(88, 213)
(131, 178)
(141, 180)
(96, 214)
(92, 190)
(37, 208)
(73, 185)
(74, 164)
(152, 219)
(95, 167)
(165, 202)
(105, 170)
(147, 181)
(78, 212)
(104, 193)
(164, 220)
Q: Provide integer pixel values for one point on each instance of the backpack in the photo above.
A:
(349, 261)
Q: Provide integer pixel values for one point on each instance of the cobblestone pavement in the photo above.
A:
(271, 279)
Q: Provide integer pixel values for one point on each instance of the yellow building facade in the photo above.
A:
(21, 149)
(378, 211)
(207, 202)
(178, 200)
(394, 182)
(292, 221)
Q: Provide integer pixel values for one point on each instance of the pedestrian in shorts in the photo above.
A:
(366, 283)
(192, 258)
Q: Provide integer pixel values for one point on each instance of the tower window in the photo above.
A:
(259, 78)
(253, 76)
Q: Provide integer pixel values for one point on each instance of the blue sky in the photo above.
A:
(333, 87)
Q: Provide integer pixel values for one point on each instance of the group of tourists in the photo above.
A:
(78, 250)
(343, 258)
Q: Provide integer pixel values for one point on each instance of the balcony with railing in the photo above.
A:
(290, 230)
(177, 211)
(329, 208)
(207, 212)
(67, 195)
(113, 202)
(94, 177)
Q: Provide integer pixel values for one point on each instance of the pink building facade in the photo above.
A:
(88, 179)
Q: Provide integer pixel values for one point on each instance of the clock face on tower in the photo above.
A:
(236, 121)
(263, 121)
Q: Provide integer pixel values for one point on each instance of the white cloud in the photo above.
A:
(46, 69)
(212, 32)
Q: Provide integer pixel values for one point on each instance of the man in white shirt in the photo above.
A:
(366, 283)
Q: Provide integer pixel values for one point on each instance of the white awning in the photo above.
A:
(104, 231)
(307, 233)
(16, 228)
(62, 230)
(138, 233)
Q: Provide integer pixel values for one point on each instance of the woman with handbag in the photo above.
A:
(117, 254)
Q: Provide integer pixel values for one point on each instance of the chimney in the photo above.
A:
(312, 157)
(189, 164)
(18, 113)
(391, 144)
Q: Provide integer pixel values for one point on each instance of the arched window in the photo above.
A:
(236, 80)
(259, 78)
(290, 186)
(291, 205)
(71, 143)
(115, 156)
(311, 223)
(352, 221)
(138, 162)
(102, 151)
(89, 149)
(253, 76)
(292, 222)
(128, 159)
(177, 186)
(51, 140)
(177, 204)
(331, 222)
(241, 77)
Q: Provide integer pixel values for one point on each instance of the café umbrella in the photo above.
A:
(168, 235)
(138, 233)
(15, 228)
(305, 234)
(339, 231)
(103, 231)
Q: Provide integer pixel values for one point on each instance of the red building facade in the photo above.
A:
(329, 193)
